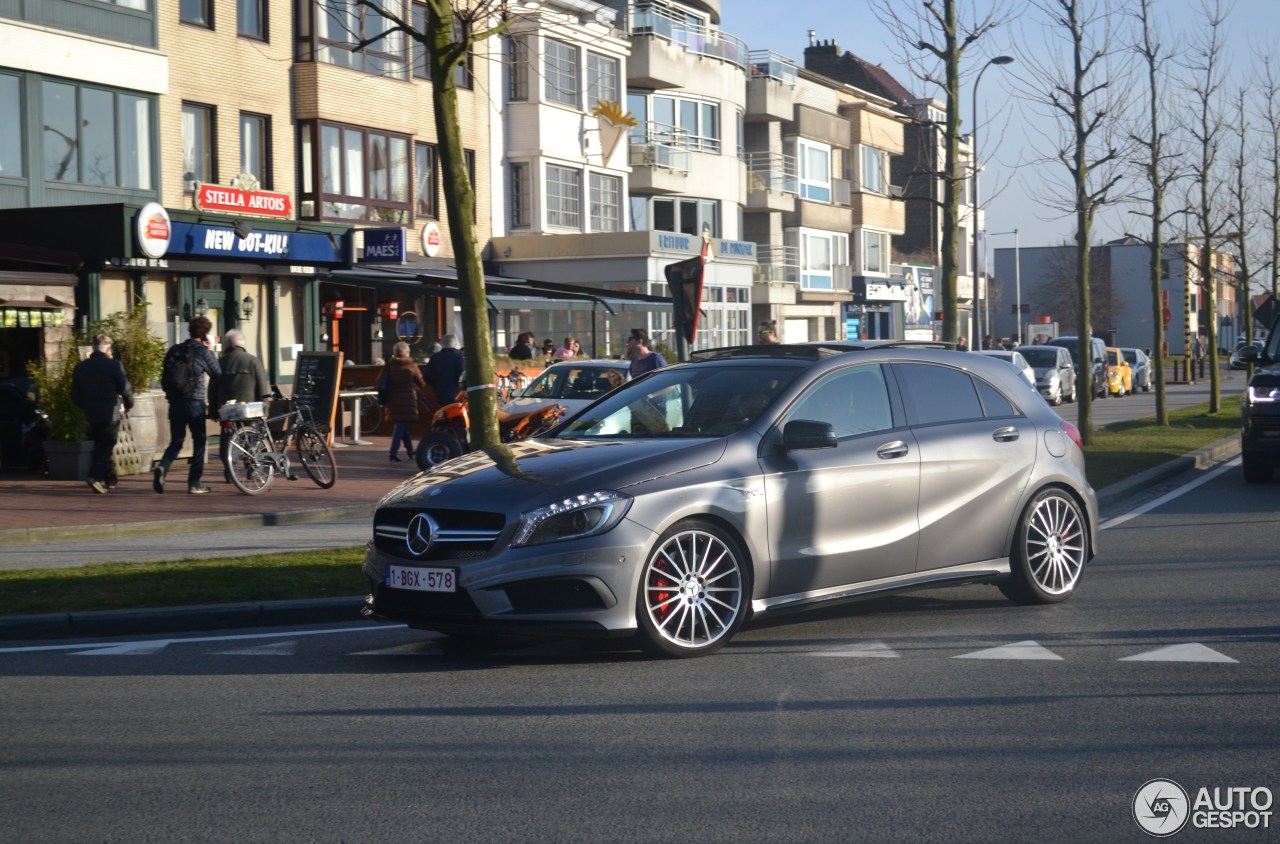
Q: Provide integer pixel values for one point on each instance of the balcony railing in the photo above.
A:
(773, 171)
(700, 40)
(658, 145)
(777, 263)
(765, 63)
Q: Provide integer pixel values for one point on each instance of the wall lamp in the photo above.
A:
(247, 307)
(201, 309)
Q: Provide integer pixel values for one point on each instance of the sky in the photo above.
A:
(1011, 131)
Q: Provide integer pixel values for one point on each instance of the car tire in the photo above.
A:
(694, 590)
(1050, 549)
(1255, 471)
(1072, 398)
(435, 448)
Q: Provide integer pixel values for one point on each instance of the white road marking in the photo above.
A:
(368, 628)
(429, 647)
(1169, 496)
(1017, 650)
(127, 649)
(1189, 652)
(269, 649)
(866, 649)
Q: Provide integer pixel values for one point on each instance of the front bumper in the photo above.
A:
(1260, 431)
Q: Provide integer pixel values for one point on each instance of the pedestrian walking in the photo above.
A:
(643, 358)
(183, 380)
(99, 387)
(405, 385)
(243, 379)
(445, 370)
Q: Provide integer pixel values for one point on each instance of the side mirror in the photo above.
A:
(799, 434)
(1249, 354)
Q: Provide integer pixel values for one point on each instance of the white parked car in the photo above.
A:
(1016, 360)
(571, 383)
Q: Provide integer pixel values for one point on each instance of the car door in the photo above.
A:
(976, 455)
(1066, 372)
(845, 514)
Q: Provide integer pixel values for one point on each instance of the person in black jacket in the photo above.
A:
(445, 370)
(187, 405)
(243, 379)
(98, 386)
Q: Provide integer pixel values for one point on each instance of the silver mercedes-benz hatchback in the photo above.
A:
(748, 481)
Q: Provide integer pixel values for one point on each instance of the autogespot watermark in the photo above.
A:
(1162, 807)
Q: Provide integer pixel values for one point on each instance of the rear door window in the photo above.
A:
(936, 394)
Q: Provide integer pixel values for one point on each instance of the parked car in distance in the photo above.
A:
(571, 383)
(1097, 376)
(1140, 363)
(747, 482)
(1119, 373)
(1260, 409)
(1015, 359)
(1055, 374)
(1237, 360)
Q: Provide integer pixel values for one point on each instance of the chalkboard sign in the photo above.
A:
(315, 385)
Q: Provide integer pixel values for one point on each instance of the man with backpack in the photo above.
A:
(183, 382)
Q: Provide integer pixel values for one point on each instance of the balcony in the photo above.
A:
(770, 88)
(817, 125)
(662, 58)
(771, 181)
(659, 158)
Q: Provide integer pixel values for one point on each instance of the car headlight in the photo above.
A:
(573, 518)
(1264, 394)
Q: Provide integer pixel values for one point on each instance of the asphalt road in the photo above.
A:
(944, 715)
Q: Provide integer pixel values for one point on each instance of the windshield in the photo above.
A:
(567, 381)
(692, 401)
(1131, 355)
(1111, 357)
(1041, 358)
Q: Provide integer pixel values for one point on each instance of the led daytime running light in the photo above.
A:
(1264, 394)
(607, 500)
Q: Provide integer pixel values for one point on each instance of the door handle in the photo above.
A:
(1005, 435)
(889, 451)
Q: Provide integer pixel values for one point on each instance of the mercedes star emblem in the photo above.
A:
(421, 533)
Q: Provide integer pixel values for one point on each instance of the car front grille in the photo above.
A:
(440, 607)
(460, 535)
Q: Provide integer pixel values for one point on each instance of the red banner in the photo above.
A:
(235, 201)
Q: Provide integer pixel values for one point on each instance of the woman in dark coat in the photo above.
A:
(404, 387)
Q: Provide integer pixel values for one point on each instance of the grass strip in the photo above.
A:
(328, 573)
(1123, 449)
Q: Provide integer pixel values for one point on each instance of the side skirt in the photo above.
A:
(951, 576)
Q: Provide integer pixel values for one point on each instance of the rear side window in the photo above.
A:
(937, 394)
(993, 401)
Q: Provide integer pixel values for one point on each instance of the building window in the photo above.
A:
(11, 130)
(875, 252)
(813, 160)
(518, 64)
(820, 253)
(602, 79)
(606, 203)
(562, 73)
(520, 195)
(90, 136)
(255, 147)
(875, 170)
(199, 158)
(251, 19)
(420, 69)
(689, 216)
(428, 180)
(564, 197)
(694, 124)
(364, 175)
(341, 24)
(464, 73)
(198, 12)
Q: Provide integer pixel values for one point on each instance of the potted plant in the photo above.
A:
(66, 447)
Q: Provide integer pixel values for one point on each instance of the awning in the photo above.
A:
(48, 303)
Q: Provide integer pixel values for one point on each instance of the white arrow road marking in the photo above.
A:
(865, 649)
(1189, 652)
(1169, 496)
(127, 649)
(272, 649)
(1018, 650)
(429, 647)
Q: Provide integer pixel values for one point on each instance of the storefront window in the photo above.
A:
(163, 317)
(113, 295)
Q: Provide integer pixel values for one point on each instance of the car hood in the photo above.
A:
(517, 476)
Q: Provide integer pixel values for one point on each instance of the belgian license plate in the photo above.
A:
(420, 579)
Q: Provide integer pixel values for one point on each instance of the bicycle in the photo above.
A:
(370, 410)
(255, 455)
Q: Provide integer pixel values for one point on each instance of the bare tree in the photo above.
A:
(935, 39)
(1242, 202)
(1159, 173)
(453, 28)
(1082, 84)
(1207, 68)
(1270, 85)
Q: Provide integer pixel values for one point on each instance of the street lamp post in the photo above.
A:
(1017, 284)
(973, 145)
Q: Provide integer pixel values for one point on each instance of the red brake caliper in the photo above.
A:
(660, 603)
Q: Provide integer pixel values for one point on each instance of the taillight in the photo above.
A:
(1073, 432)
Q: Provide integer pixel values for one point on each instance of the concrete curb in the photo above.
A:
(334, 610)
(26, 536)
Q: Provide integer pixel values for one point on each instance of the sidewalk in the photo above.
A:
(35, 509)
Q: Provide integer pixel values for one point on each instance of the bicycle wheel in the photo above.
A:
(316, 457)
(370, 411)
(249, 461)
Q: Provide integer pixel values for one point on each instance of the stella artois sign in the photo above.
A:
(227, 200)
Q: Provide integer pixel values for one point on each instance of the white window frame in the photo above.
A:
(606, 202)
(563, 188)
(814, 186)
(875, 170)
(882, 248)
(602, 78)
(819, 252)
(563, 70)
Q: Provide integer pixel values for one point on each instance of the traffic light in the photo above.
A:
(937, 315)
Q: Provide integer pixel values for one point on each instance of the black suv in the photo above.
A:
(1260, 410)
